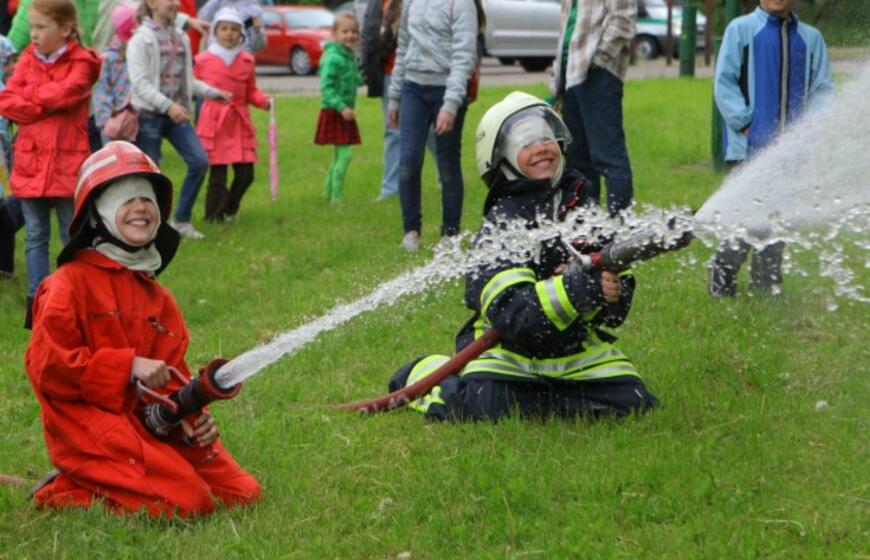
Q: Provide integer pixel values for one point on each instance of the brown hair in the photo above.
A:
(346, 16)
(62, 12)
(143, 11)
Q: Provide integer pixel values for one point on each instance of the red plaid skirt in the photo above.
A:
(333, 129)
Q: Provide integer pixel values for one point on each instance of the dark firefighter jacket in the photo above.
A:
(550, 324)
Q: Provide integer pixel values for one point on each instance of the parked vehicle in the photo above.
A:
(528, 30)
(295, 36)
(652, 28)
(522, 30)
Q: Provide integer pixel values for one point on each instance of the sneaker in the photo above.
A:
(45, 481)
(230, 218)
(411, 241)
(186, 229)
(382, 197)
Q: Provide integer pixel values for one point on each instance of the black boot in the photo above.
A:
(28, 314)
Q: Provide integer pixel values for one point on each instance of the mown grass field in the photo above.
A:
(758, 451)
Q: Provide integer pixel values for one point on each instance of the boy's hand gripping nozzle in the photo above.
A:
(164, 413)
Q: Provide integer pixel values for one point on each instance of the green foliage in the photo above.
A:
(740, 461)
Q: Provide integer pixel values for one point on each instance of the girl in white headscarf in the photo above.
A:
(225, 128)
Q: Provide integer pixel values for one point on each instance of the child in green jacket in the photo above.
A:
(339, 80)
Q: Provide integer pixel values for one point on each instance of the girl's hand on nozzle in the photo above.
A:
(347, 114)
(178, 114)
(270, 101)
(610, 286)
(152, 373)
(205, 430)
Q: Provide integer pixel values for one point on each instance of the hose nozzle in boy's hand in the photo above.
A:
(164, 413)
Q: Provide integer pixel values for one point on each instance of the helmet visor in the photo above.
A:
(525, 128)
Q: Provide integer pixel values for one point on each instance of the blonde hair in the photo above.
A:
(62, 12)
(344, 16)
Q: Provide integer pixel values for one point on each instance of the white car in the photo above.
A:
(528, 30)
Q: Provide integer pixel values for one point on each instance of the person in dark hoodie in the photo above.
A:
(555, 357)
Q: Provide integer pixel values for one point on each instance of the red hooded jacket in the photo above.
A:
(50, 103)
(91, 317)
(225, 128)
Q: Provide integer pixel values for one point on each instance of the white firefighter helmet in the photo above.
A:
(497, 122)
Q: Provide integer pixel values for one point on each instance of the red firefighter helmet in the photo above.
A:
(116, 160)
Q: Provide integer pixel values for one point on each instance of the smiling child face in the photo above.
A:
(136, 221)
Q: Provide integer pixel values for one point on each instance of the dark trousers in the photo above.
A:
(474, 400)
(765, 270)
(593, 113)
(11, 220)
(95, 138)
(220, 203)
(417, 112)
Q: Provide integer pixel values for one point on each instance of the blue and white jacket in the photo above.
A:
(769, 70)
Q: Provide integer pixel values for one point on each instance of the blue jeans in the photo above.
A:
(390, 179)
(153, 127)
(593, 113)
(37, 224)
(418, 110)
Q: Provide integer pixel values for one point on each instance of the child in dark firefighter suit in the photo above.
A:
(554, 358)
(102, 323)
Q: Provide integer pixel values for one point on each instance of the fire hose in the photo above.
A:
(615, 257)
(163, 413)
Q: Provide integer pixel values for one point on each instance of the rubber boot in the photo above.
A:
(28, 314)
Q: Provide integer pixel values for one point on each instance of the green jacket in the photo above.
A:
(19, 34)
(339, 77)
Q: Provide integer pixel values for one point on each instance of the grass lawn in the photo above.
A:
(759, 448)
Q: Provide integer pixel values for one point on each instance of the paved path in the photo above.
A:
(276, 79)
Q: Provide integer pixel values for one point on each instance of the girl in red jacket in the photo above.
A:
(48, 96)
(225, 128)
(103, 323)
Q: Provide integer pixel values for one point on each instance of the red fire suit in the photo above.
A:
(91, 317)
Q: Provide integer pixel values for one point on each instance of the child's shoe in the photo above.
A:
(411, 241)
(186, 229)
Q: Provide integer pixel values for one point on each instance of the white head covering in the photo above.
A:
(523, 133)
(107, 204)
(227, 55)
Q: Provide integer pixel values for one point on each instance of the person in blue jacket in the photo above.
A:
(556, 356)
(771, 69)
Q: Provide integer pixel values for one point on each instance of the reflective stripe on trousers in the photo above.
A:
(596, 362)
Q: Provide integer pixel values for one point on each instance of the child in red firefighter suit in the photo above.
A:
(101, 323)
(555, 357)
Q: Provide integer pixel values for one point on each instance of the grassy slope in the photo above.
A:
(737, 462)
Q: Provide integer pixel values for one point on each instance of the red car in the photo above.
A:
(294, 37)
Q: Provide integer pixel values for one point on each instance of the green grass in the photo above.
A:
(738, 462)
